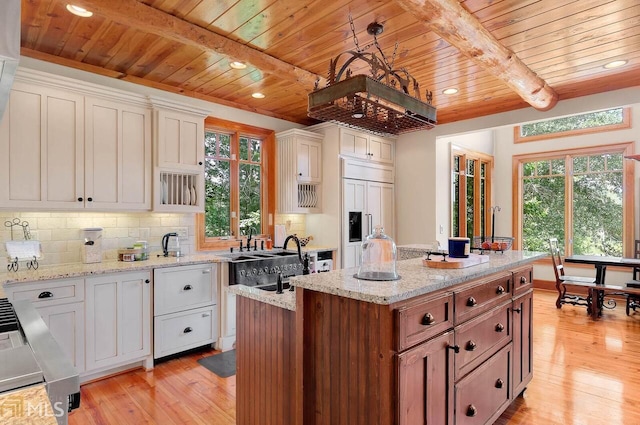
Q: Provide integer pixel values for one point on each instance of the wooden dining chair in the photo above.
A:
(562, 280)
(633, 301)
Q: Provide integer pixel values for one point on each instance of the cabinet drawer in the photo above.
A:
(184, 287)
(481, 296)
(484, 394)
(48, 292)
(522, 280)
(479, 338)
(419, 322)
(181, 331)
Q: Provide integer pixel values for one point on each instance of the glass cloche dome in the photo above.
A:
(378, 258)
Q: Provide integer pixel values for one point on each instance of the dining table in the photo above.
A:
(597, 292)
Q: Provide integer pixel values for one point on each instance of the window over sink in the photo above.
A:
(239, 189)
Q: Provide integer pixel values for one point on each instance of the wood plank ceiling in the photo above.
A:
(185, 46)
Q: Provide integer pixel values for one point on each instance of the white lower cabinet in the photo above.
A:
(185, 308)
(118, 319)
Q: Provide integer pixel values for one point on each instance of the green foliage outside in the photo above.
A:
(596, 206)
(575, 122)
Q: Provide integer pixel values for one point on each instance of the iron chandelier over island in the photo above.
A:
(379, 103)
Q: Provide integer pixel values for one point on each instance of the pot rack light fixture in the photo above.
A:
(380, 102)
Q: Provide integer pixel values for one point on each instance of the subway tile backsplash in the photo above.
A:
(60, 233)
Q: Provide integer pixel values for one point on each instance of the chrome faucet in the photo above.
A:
(297, 241)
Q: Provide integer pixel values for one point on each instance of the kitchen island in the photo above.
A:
(437, 346)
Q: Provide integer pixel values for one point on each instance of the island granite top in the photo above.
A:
(415, 278)
(286, 300)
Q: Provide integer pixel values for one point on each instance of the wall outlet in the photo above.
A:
(183, 232)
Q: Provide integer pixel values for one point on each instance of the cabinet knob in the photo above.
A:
(499, 383)
(471, 302)
(80, 199)
(428, 319)
(187, 287)
(472, 410)
(471, 346)
(517, 310)
(187, 330)
(500, 290)
(147, 281)
(499, 327)
(300, 174)
(523, 280)
(90, 199)
(455, 348)
(45, 294)
(200, 163)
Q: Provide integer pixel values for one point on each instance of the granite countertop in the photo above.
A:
(29, 405)
(80, 270)
(286, 300)
(415, 278)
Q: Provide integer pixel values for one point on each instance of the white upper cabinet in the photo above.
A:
(117, 155)
(365, 146)
(299, 171)
(42, 149)
(62, 149)
(180, 140)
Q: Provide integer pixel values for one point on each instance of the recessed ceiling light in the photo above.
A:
(615, 64)
(258, 95)
(237, 65)
(450, 91)
(79, 11)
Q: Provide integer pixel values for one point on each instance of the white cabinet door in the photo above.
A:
(354, 193)
(118, 319)
(380, 202)
(118, 156)
(66, 324)
(180, 140)
(309, 159)
(41, 149)
(381, 150)
(354, 144)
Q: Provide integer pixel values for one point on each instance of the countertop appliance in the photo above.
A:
(29, 355)
(171, 245)
(321, 261)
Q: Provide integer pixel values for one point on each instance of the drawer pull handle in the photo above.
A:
(499, 327)
(206, 314)
(187, 330)
(471, 302)
(523, 280)
(500, 290)
(471, 410)
(206, 271)
(499, 383)
(471, 346)
(187, 287)
(455, 348)
(428, 319)
(45, 294)
(517, 310)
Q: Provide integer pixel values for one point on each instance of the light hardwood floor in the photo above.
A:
(585, 373)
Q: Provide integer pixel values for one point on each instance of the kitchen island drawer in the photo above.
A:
(417, 322)
(47, 292)
(182, 331)
(481, 295)
(522, 280)
(183, 287)
(481, 337)
(483, 395)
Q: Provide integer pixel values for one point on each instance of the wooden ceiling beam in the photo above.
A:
(453, 23)
(145, 18)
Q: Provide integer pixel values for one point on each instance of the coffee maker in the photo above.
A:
(171, 245)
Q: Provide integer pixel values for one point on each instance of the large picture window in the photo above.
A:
(239, 173)
(584, 197)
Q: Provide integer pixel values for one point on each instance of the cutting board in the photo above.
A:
(455, 263)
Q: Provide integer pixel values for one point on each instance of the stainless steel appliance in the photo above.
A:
(29, 355)
(321, 261)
